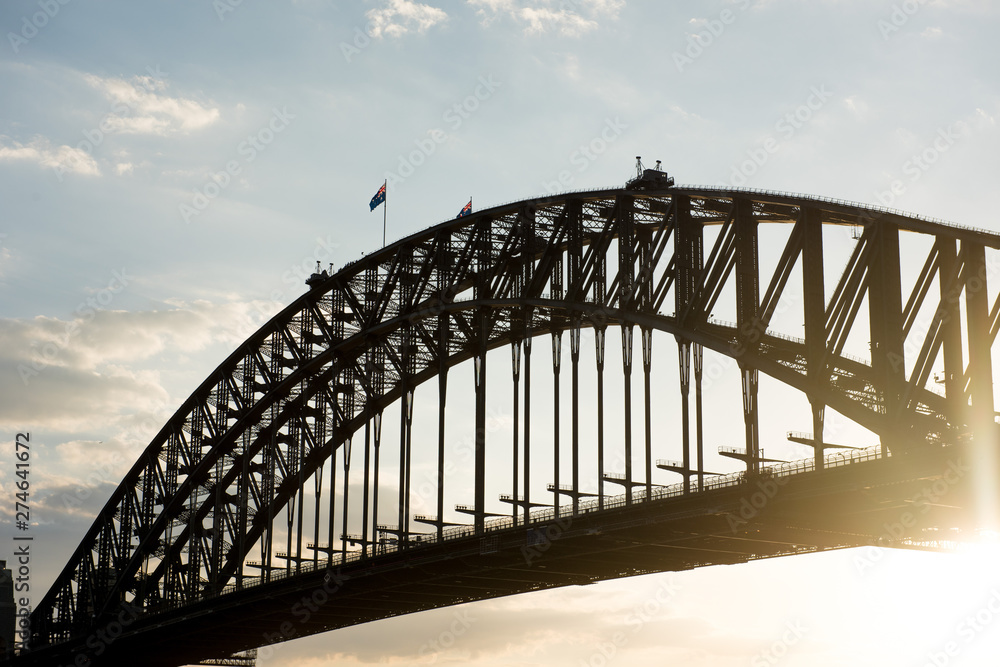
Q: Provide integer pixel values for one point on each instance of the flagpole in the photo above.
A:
(385, 205)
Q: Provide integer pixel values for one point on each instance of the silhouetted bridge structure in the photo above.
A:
(308, 483)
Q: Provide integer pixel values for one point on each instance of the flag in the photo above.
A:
(466, 210)
(379, 198)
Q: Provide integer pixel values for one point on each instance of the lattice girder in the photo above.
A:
(221, 470)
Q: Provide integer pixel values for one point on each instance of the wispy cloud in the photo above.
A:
(40, 151)
(570, 19)
(87, 371)
(399, 17)
(140, 106)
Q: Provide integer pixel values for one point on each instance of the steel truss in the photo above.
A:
(203, 509)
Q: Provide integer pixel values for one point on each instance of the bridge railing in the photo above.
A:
(876, 208)
(549, 514)
(834, 200)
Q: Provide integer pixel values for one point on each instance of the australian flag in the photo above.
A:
(466, 210)
(379, 198)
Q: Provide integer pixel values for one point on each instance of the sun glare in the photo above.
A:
(945, 607)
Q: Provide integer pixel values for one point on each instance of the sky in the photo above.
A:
(171, 172)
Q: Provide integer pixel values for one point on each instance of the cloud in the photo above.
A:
(139, 106)
(569, 19)
(399, 17)
(89, 372)
(683, 114)
(985, 118)
(41, 152)
(857, 106)
(91, 391)
(636, 622)
(468, 634)
(541, 20)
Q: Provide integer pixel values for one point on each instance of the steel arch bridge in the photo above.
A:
(249, 501)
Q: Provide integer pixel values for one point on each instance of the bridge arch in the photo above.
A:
(209, 491)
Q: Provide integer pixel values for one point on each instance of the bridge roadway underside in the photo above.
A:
(877, 502)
